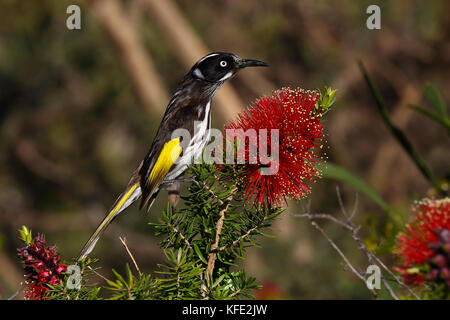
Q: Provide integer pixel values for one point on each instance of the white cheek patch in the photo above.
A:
(227, 76)
(198, 73)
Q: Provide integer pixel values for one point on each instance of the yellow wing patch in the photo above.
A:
(169, 154)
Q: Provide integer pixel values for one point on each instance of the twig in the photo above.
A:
(375, 260)
(325, 216)
(235, 293)
(178, 286)
(355, 206)
(219, 226)
(181, 235)
(123, 240)
(341, 203)
(98, 274)
(235, 242)
(14, 295)
(10, 273)
(314, 224)
(212, 193)
(388, 288)
(354, 229)
(242, 237)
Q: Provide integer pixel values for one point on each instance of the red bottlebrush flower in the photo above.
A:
(35, 292)
(424, 247)
(42, 268)
(293, 114)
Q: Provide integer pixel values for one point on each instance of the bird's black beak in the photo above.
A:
(244, 63)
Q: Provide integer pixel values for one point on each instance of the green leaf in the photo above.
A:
(119, 277)
(333, 171)
(397, 133)
(435, 99)
(199, 253)
(441, 119)
(179, 256)
(130, 276)
(219, 280)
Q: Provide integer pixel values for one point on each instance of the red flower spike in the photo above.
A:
(293, 114)
(422, 248)
(35, 292)
(42, 268)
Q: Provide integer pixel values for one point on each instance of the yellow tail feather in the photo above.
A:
(90, 244)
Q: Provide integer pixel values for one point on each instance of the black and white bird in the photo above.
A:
(168, 157)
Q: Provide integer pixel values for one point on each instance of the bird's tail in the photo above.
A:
(131, 194)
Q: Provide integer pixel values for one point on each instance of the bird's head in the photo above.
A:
(219, 67)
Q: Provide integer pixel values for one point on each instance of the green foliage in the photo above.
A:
(201, 242)
(180, 277)
(436, 101)
(215, 227)
(84, 292)
(61, 292)
(131, 287)
(442, 120)
(397, 133)
(231, 285)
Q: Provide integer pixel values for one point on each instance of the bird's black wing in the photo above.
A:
(165, 148)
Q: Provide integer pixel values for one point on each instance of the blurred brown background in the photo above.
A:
(79, 109)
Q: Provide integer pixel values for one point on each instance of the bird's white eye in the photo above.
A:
(223, 63)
